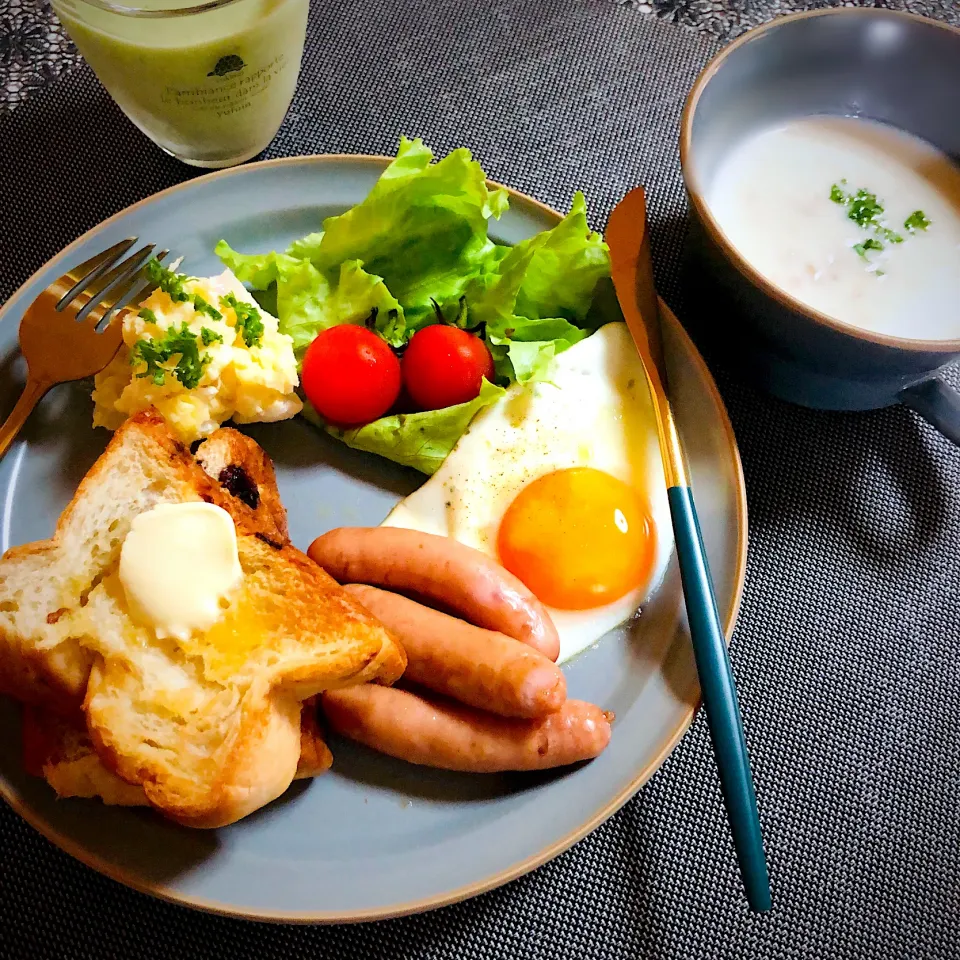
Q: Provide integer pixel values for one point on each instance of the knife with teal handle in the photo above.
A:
(632, 272)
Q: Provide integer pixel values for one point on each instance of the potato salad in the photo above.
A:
(201, 351)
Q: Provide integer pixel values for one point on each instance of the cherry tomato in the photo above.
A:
(445, 365)
(350, 375)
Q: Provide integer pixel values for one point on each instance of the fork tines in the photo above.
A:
(107, 275)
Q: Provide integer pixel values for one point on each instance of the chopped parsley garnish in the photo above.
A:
(180, 343)
(836, 193)
(209, 336)
(248, 319)
(169, 282)
(201, 306)
(917, 220)
(869, 244)
(147, 314)
(172, 285)
(866, 211)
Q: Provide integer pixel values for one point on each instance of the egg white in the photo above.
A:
(593, 409)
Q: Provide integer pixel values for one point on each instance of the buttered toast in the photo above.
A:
(208, 726)
(58, 747)
(45, 585)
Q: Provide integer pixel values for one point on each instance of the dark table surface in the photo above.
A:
(846, 647)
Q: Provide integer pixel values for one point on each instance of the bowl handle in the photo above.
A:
(937, 403)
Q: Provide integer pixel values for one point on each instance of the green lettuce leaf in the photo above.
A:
(361, 297)
(522, 361)
(305, 247)
(308, 302)
(257, 270)
(551, 275)
(566, 264)
(422, 228)
(522, 347)
(537, 302)
(418, 440)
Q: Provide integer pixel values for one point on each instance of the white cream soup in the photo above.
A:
(853, 217)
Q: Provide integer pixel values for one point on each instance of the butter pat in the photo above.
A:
(177, 563)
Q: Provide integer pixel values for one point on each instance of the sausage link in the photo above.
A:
(439, 733)
(440, 569)
(478, 667)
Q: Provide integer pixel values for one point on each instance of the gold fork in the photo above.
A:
(73, 329)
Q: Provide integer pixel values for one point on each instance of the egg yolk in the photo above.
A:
(578, 538)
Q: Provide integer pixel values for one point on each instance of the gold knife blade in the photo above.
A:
(631, 267)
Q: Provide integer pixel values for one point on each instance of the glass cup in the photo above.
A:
(209, 83)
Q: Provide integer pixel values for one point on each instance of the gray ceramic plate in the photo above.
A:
(374, 837)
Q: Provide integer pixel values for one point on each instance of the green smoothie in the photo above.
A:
(210, 87)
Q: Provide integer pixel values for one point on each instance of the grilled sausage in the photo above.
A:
(440, 569)
(439, 733)
(478, 667)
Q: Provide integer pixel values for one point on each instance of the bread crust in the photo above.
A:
(241, 467)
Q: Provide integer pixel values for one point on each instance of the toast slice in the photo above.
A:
(59, 748)
(208, 727)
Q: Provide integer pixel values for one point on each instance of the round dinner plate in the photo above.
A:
(373, 837)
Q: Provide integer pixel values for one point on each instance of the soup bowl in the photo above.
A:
(875, 64)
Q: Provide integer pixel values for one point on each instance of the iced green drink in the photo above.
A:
(210, 82)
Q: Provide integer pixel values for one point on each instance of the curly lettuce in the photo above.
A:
(418, 440)
(537, 304)
(416, 251)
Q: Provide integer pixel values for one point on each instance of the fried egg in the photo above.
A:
(561, 482)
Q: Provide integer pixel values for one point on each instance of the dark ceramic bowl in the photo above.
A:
(896, 68)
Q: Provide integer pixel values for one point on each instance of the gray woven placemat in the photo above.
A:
(35, 50)
(845, 652)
